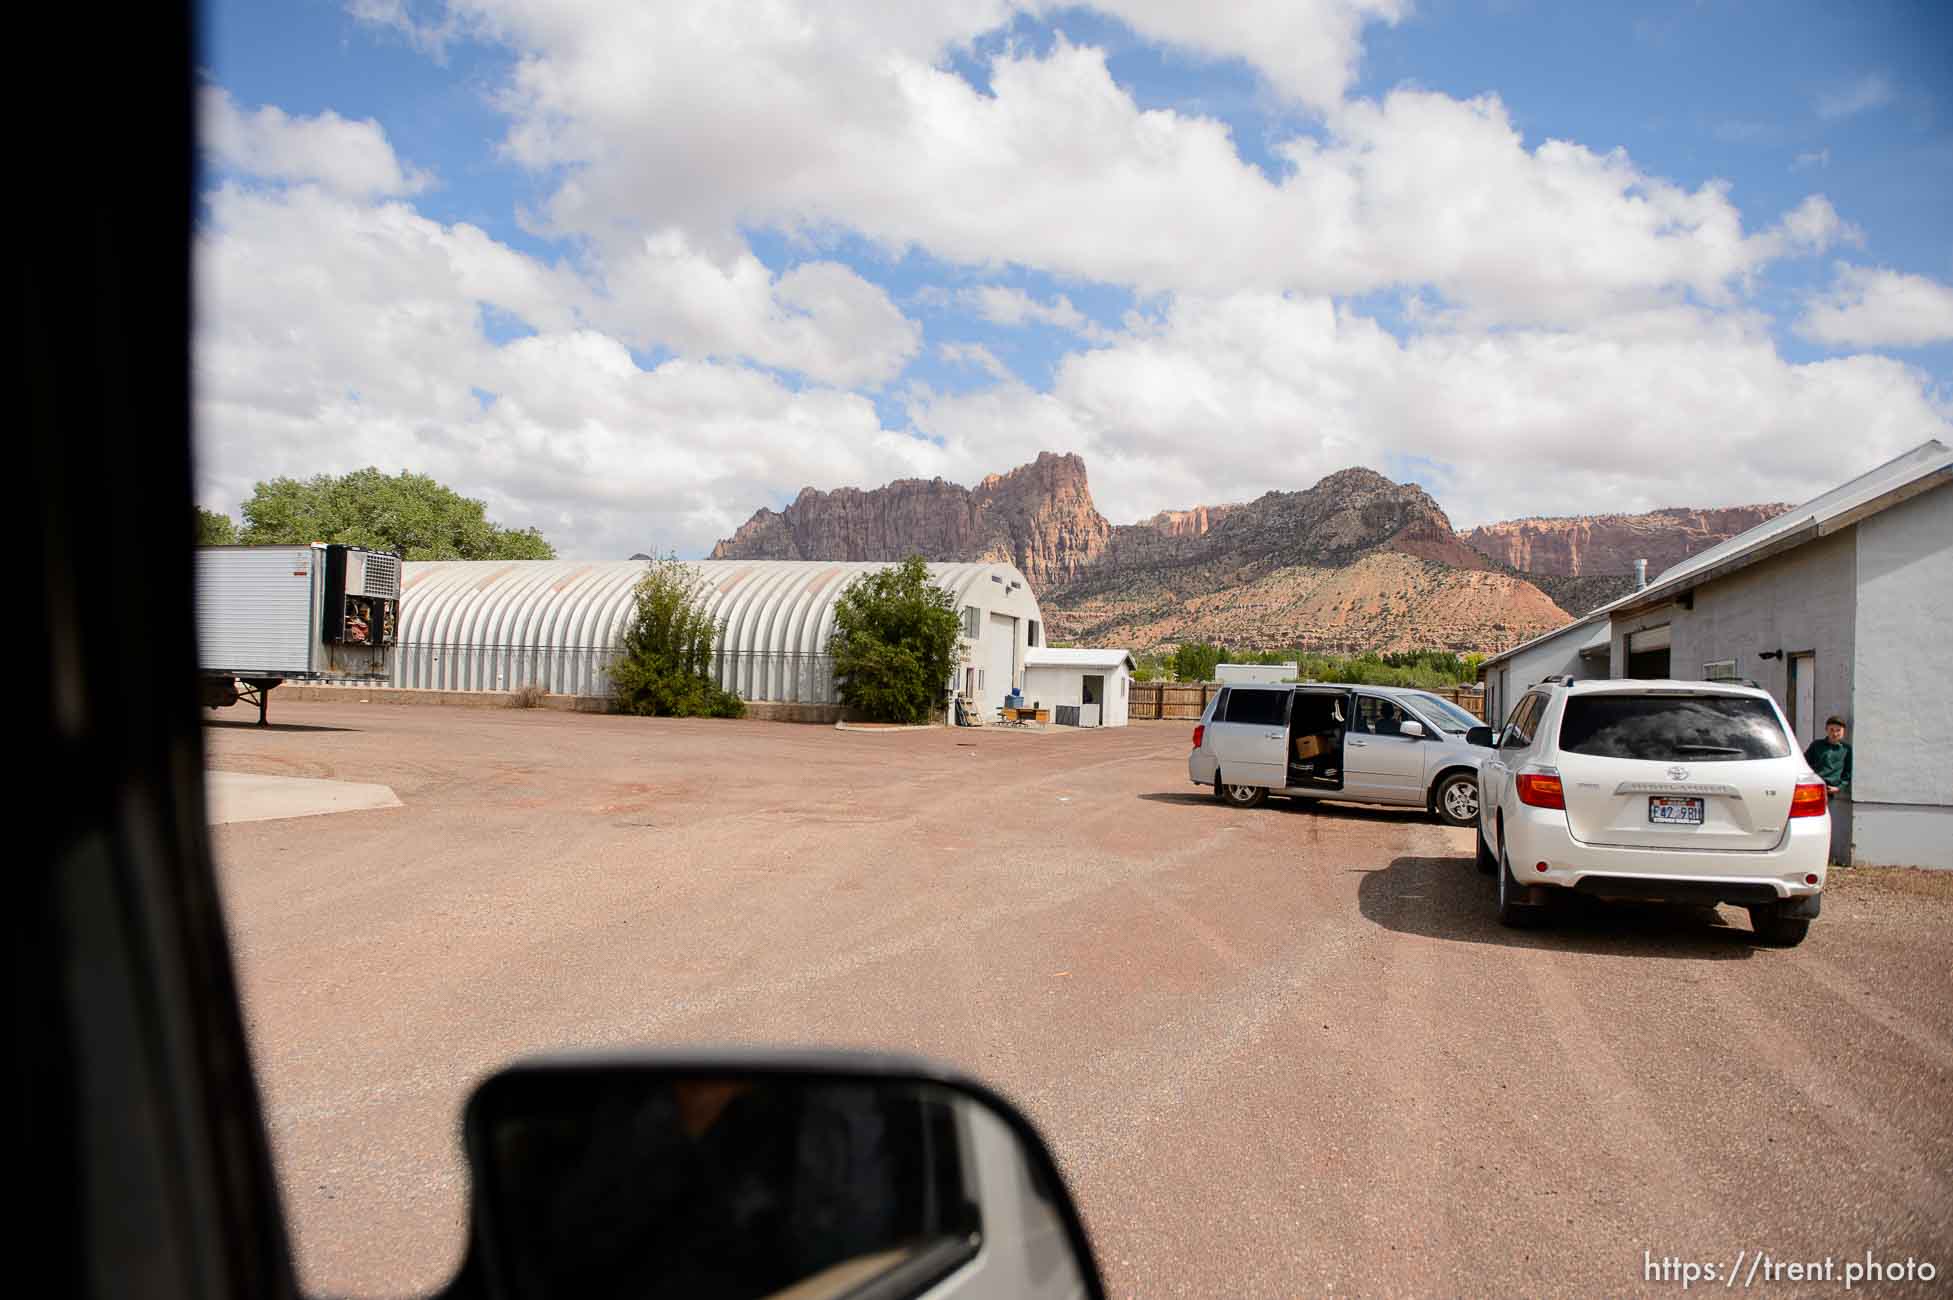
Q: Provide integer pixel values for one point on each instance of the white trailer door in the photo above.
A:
(998, 657)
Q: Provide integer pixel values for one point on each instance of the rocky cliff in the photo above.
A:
(1356, 562)
(1039, 517)
(1587, 545)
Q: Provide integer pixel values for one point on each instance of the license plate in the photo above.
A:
(1674, 812)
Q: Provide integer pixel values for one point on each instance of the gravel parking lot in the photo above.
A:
(1277, 1051)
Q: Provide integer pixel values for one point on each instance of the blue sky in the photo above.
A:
(1214, 259)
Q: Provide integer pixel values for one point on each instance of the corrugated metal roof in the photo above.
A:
(1929, 463)
(489, 625)
(1844, 504)
(1045, 657)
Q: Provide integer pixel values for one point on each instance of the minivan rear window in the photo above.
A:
(1673, 728)
(1257, 708)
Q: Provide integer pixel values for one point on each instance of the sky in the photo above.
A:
(628, 272)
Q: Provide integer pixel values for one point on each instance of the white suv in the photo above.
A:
(1678, 791)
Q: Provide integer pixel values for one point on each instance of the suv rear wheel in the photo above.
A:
(1774, 929)
(1513, 913)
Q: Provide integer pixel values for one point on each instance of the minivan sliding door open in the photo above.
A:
(1316, 722)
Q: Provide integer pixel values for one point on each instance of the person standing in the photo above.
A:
(1830, 758)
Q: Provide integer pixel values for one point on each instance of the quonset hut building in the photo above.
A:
(497, 625)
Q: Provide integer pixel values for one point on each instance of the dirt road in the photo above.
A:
(1277, 1051)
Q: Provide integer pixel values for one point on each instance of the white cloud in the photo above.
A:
(1307, 49)
(839, 118)
(974, 354)
(349, 157)
(333, 334)
(1808, 229)
(1871, 91)
(1011, 307)
(1875, 307)
(819, 318)
(1228, 397)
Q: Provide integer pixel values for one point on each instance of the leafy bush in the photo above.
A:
(1428, 670)
(1196, 661)
(666, 667)
(894, 643)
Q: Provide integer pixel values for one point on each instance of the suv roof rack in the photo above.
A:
(1564, 679)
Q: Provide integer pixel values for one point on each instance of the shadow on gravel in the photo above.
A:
(1352, 812)
(223, 724)
(1446, 898)
(1277, 806)
(1161, 796)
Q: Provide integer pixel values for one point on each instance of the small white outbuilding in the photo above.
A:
(1097, 684)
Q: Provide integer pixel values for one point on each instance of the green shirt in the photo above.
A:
(1831, 761)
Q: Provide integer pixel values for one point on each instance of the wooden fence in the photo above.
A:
(1186, 701)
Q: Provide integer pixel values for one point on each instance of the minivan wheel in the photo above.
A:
(1513, 913)
(1457, 800)
(1244, 796)
(1774, 929)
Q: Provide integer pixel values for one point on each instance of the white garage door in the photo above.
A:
(999, 642)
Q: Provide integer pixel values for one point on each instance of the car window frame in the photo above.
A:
(1524, 721)
(1288, 703)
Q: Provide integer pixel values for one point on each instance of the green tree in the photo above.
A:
(214, 529)
(894, 643)
(1195, 661)
(666, 667)
(411, 513)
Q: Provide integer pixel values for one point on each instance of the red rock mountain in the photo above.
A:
(1039, 517)
(1356, 562)
(1586, 545)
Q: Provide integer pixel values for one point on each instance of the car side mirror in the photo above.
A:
(1411, 727)
(1484, 736)
(747, 1174)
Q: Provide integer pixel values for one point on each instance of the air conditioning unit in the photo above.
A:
(372, 573)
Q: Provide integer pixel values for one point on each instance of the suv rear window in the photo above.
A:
(1673, 728)
(1259, 708)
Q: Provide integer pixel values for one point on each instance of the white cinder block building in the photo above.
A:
(1097, 683)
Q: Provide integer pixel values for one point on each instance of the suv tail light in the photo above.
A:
(1540, 790)
(1808, 800)
(1200, 733)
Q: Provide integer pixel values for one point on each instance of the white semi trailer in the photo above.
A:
(273, 614)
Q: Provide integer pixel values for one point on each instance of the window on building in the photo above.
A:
(1722, 670)
(1031, 634)
(972, 621)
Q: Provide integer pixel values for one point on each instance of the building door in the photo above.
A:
(999, 659)
(1091, 708)
(1647, 653)
(1802, 697)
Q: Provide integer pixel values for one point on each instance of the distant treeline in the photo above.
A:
(1424, 669)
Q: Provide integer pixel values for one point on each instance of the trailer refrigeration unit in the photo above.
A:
(272, 614)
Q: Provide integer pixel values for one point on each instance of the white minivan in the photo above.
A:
(1366, 744)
